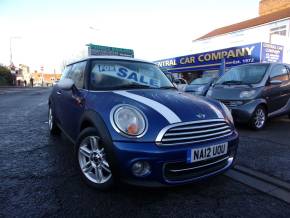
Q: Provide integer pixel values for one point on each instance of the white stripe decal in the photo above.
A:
(160, 108)
(218, 113)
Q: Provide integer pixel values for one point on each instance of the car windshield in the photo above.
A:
(120, 74)
(201, 81)
(244, 74)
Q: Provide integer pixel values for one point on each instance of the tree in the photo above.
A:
(6, 77)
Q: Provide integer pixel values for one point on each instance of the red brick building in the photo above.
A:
(48, 78)
(271, 6)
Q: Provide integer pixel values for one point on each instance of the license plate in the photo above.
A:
(205, 153)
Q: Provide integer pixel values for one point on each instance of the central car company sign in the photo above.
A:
(252, 53)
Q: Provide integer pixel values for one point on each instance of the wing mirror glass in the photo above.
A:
(275, 82)
(65, 84)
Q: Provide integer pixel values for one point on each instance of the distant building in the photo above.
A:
(48, 78)
(23, 74)
(272, 26)
(262, 39)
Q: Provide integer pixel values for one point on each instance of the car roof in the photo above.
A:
(111, 58)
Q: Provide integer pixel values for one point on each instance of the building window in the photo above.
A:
(281, 31)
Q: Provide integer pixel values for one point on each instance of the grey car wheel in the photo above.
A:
(53, 128)
(93, 160)
(259, 118)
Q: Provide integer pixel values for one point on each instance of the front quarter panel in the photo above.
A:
(103, 102)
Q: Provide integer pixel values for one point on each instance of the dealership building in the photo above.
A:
(262, 39)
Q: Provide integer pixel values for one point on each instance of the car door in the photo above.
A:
(287, 89)
(57, 97)
(277, 95)
(72, 101)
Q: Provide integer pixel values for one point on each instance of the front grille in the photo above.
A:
(188, 171)
(194, 132)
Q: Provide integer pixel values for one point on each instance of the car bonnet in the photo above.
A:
(174, 106)
(161, 108)
(231, 92)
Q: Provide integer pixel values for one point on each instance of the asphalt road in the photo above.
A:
(267, 151)
(38, 176)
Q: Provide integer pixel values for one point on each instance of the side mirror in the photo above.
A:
(275, 82)
(65, 84)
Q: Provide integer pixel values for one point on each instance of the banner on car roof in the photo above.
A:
(211, 60)
(100, 50)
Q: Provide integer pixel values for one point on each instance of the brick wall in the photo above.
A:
(270, 6)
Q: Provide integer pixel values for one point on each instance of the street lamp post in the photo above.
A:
(94, 29)
(10, 39)
(10, 42)
(41, 68)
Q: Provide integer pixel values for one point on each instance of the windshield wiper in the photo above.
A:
(133, 86)
(167, 87)
(235, 82)
(229, 82)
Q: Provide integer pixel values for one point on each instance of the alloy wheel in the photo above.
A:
(92, 160)
(50, 119)
(260, 118)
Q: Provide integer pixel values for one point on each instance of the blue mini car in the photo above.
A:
(129, 123)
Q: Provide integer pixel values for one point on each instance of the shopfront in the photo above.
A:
(213, 63)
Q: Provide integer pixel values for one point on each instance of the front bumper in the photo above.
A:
(243, 113)
(168, 162)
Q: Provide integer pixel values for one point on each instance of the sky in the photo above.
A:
(53, 32)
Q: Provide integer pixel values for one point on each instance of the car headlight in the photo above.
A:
(227, 112)
(247, 94)
(128, 121)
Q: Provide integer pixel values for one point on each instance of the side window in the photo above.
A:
(288, 68)
(77, 74)
(65, 72)
(279, 72)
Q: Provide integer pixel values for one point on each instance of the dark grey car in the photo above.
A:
(199, 86)
(254, 92)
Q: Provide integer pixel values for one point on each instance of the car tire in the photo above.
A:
(53, 128)
(259, 118)
(92, 160)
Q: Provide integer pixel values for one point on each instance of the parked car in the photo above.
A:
(199, 86)
(55, 82)
(255, 92)
(180, 83)
(129, 123)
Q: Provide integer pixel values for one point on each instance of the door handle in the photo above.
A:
(58, 92)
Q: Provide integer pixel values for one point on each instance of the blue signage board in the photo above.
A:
(272, 53)
(212, 60)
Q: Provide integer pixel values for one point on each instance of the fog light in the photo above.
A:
(141, 168)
